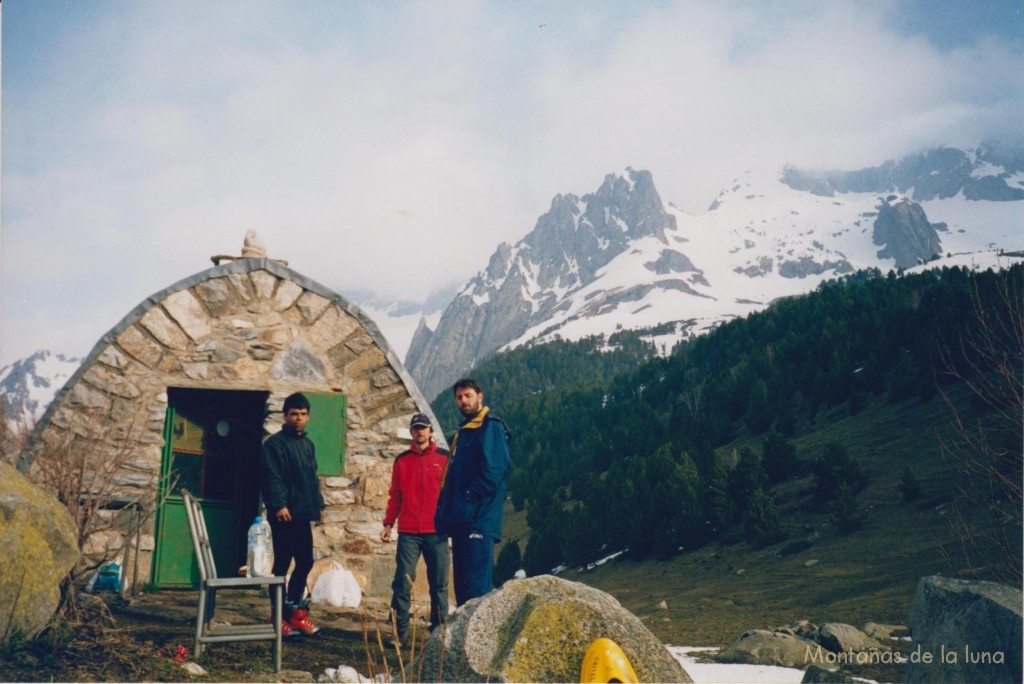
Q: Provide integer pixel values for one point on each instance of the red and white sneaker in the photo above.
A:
(287, 630)
(301, 623)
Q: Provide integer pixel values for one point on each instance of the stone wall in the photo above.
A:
(249, 325)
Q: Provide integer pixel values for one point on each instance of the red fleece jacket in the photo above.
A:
(415, 486)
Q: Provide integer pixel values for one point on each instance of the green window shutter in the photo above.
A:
(327, 423)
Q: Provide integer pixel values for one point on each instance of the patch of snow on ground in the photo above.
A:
(974, 261)
(591, 566)
(664, 344)
(713, 673)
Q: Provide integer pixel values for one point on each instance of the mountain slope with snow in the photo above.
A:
(622, 258)
(27, 386)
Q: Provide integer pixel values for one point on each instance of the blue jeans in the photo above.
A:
(434, 548)
(472, 565)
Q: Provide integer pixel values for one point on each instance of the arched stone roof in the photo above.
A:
(237, 267)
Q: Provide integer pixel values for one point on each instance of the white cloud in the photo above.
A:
(394, 146)
(698, 92)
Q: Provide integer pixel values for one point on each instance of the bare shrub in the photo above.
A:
(11, 440)
(984, 440)
(16, 424)
(92, 469)
(382, 647)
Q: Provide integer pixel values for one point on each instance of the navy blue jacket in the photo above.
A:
(288, 475)
(473, 494)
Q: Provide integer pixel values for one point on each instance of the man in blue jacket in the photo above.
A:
(469, 509)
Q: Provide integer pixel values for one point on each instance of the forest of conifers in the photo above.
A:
(614, 448)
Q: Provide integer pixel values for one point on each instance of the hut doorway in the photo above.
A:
(212, 447)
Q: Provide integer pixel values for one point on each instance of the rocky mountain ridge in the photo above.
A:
(985, 173)
(622, 258)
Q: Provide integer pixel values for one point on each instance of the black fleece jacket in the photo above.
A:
(288, 475)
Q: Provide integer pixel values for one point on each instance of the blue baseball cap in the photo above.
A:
(420, 420)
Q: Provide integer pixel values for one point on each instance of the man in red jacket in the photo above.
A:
(415, 484)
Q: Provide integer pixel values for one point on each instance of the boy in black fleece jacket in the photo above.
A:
(291, 492)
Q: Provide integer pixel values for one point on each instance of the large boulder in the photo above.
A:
(764, 647)
(883, 632)
(538, 630)
(40, 546)
(842, 638)
(816, 674)
(965, 631)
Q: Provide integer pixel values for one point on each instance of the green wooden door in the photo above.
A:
(176, 563)
(211, 448)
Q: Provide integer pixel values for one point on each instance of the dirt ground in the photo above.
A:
(137, 640)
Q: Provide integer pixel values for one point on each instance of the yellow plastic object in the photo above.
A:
(605, 662)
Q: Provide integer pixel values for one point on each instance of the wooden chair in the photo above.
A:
(207, 633)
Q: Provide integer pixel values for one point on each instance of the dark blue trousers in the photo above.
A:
(434, 548)
(472, 565)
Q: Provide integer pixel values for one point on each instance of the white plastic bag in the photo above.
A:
(337, 587)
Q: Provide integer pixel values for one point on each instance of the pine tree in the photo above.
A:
(747, 477)
(761, 523)
(910, 488)
(542, 553)
(510, 559)
(904, 378)
(847, 515)
(718, 501)
(682, 513)
(778, 456)
(835, 467)
(759, 413)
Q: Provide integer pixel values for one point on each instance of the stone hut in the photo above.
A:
(184, 389)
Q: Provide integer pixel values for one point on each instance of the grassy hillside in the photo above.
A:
(715, 593)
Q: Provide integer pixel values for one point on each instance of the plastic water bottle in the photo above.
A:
(268, 539)
(258, 556)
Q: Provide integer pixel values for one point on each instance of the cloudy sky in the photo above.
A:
(392, 145)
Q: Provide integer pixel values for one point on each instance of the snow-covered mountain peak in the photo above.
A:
(620, 257)
(533, 280)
